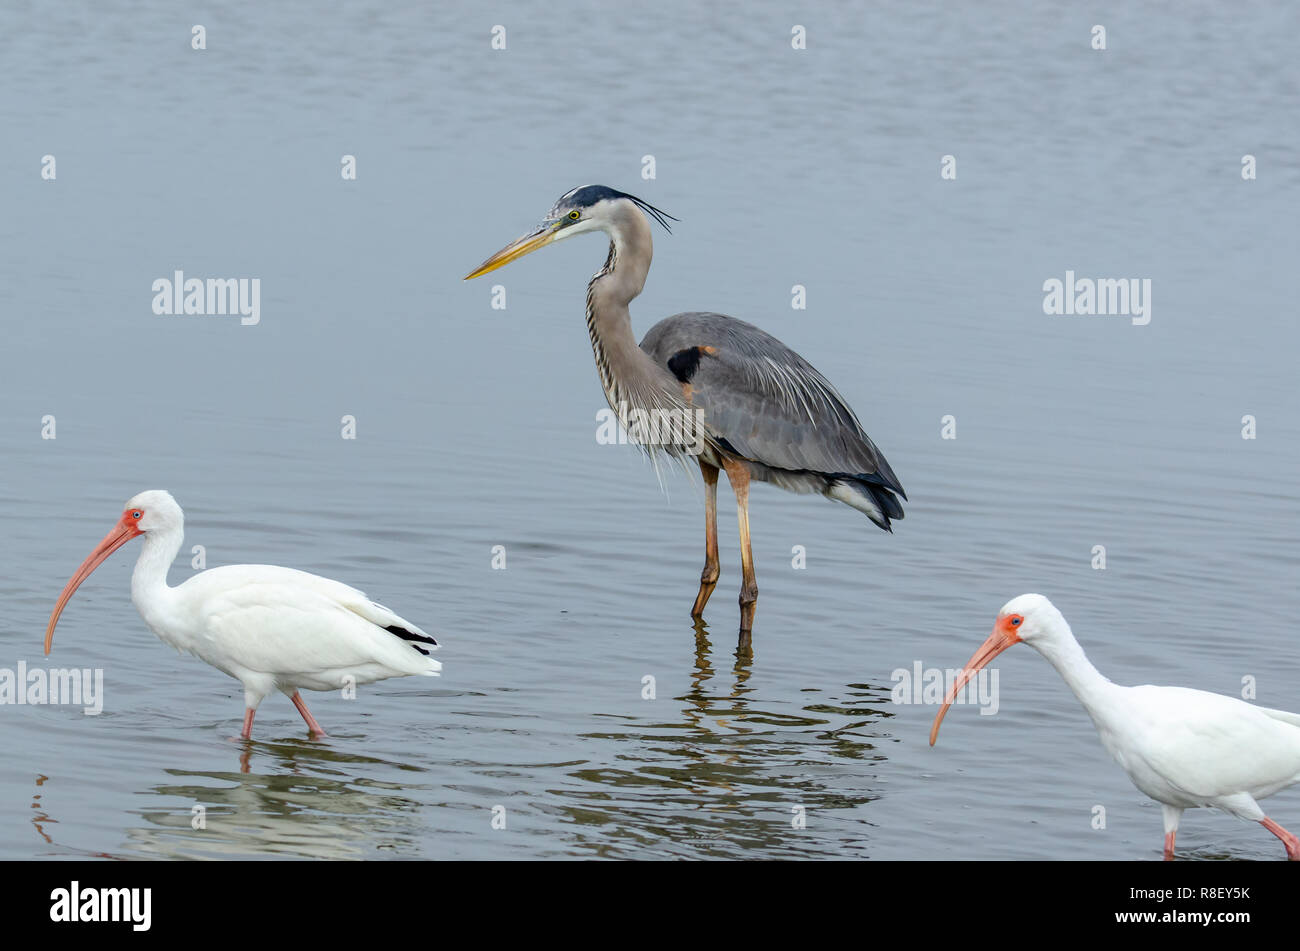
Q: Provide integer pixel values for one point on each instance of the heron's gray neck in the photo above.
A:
(631, 379)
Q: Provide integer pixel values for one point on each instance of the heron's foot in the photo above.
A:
(701, 599)
(748, 602)
(708, 581)
(1169, 846)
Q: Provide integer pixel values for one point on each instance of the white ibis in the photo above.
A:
(270, 628)
(1181, 747)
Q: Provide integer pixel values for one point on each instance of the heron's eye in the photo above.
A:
(1015, 621)
(575, 215)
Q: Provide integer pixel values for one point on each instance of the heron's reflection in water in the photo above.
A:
(733, 772)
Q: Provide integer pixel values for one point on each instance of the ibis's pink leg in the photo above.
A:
(1171, 815)
(247, 732)
(312, 726)
(1290, 841)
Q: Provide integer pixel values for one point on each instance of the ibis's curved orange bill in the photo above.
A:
(122, 532)
(1003, 636)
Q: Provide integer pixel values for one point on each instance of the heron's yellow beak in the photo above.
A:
(516, 249)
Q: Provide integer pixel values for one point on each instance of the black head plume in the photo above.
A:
(588, 195)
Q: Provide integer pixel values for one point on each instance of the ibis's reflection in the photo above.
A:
(40, 816)
(312, 802)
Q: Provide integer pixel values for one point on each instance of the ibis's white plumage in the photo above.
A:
(1187, 748)
(269, 627)
(1181, 747)
(275, 627)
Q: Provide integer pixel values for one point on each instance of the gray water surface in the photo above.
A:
(476, 427)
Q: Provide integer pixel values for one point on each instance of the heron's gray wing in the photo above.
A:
(763, 401)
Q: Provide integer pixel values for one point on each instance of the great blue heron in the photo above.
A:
(727, 393)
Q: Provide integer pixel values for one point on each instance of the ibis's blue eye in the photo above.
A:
(136, 514)
(1015, 621)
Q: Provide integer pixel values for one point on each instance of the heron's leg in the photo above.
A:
(312, 726)
(738, 475)
(1289, 840)
(247, 731)
(708, 577)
